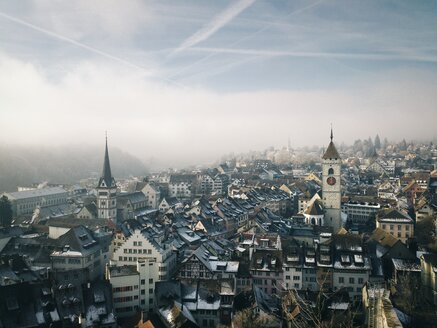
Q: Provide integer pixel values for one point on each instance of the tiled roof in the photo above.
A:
(331, 152)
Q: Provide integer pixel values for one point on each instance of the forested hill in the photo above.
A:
(22, 166)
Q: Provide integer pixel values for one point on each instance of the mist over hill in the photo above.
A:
(24, 165)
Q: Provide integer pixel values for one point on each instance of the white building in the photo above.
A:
(292, 270)
(361, 212)
(153, 195)
(25, 202)
(155, 261)
(125, 281)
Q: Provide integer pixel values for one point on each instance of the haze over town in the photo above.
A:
(186, 83)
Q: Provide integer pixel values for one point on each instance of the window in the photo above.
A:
(150, 281)
(399, 235)
(407, 227)
(399, 227)
(135, 243)
(392, 226)
(150, 290)
(351, 280)
(331, 171)
(143, 281)
(360, 280)
(296, 278)
(383, 226)
(287, 277)
(143, 292)
(341, 280)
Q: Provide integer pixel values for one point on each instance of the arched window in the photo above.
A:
(331, 171)
(313, 221)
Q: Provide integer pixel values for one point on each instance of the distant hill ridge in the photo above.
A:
(24, 165)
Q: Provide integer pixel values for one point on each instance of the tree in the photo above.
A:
(425, 231)
(247, 319)
(377, 142)
(5, 212)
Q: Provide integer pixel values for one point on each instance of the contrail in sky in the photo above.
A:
(148, 72)
(262, 29)
(216, 24)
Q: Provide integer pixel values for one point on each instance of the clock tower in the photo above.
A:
(331, 186)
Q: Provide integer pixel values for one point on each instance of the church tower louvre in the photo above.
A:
(106, 191)
(331, 186)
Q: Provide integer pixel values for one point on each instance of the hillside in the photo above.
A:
(21, 166)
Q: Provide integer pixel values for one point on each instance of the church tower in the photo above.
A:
(331, 186)
(106, 191)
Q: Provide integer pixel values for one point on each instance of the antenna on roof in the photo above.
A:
(332, 135)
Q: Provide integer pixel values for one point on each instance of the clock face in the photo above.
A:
(331, 181)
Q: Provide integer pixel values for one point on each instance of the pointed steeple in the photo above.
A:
(106, 172)
(331, 151)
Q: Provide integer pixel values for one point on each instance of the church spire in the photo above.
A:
(331, 151)
(106, 172)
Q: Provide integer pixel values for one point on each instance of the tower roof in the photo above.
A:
(331, 151)
(106, 177)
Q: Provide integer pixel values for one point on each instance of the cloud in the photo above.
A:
(83, 19)
(75, 43)
(179, 126)
(216, 24)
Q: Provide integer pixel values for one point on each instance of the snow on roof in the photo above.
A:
(40, 318)
(54, 315)
(67, 253)
(339, 306)
(203, 304)
(404, 265)
(36, 193)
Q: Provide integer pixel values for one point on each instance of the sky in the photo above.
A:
(185, 82)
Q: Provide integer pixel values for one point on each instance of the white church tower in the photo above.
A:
(107, 191)
(331, 186)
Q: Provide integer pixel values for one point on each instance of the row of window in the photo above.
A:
(135, 251)
(131, 259)
(294, 278)
(124, 299)
(42, 202)
(351, 280)
(124, 309)
(407, 227)
(123, 289)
